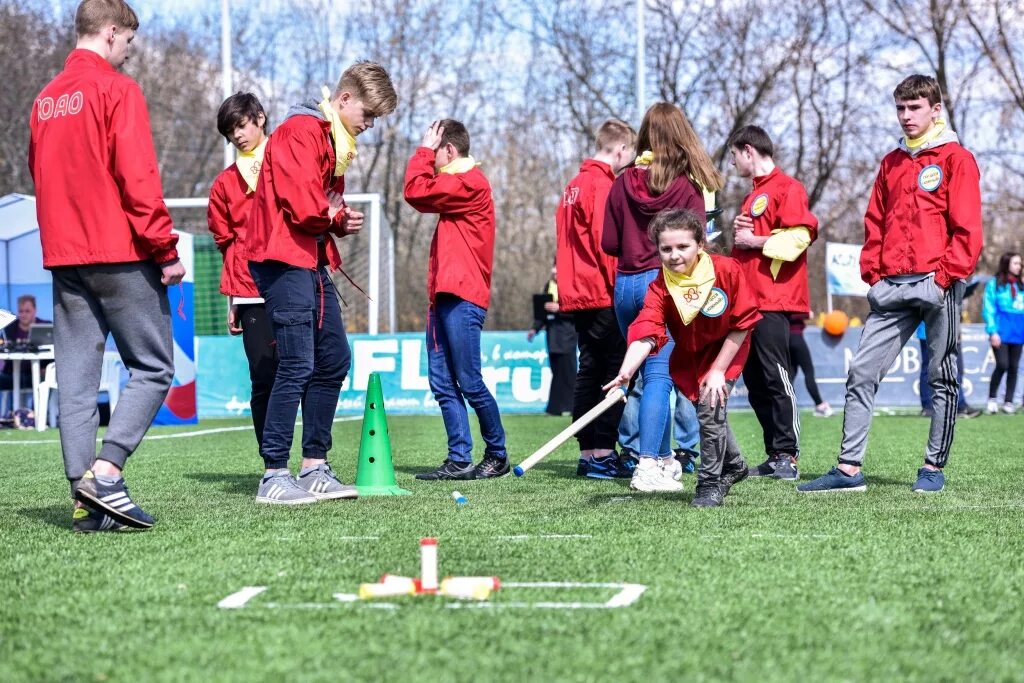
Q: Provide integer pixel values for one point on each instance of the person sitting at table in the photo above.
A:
(18, 331)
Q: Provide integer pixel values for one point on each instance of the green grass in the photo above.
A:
(886, 585)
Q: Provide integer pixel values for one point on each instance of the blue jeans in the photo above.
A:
(647, 425)
(453, 361)
(313, 358)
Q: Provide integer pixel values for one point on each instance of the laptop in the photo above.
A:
(41, 334)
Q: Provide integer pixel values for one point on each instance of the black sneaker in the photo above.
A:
(968, 413)
(732, 477)
(786, 469)
(686, 458)
(449, 469)
(113, 500)
(765, 469)
(86, 521)
(708, 495)
(492, 466)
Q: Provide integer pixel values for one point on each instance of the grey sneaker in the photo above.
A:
(323, 484)
(86, 521)
(786, 469)
(282, 489)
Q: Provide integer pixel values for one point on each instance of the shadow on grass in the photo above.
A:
(54, 515)
(628, 497)
(229, 482)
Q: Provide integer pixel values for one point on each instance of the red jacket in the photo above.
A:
(924, 216)
(289, 211)
(780, 202)
(462, 250)
(586, 275)
(226, 215)
(698, 344)
(98, 192)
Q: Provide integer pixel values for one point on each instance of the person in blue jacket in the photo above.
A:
(1003, 312)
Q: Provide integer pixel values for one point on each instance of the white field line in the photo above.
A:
(238, 600)
(526, 537)
(710, 537)
(628, 594)
(179, 435)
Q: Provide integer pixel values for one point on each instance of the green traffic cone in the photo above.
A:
(375, 475)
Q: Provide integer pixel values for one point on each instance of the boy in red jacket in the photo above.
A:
(106, 237)
(443, 178)
(922, 239)
(243, 122)
(709, 309)
(773, 231)
(297, 211)
(586, 289)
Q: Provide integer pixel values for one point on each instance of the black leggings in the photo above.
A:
(1007, 361)
(800, 359)
(261, 352)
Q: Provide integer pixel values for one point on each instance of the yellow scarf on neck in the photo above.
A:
(691, 291)
(934, 132)
(459, 165)
(344, 142)
(250, 163)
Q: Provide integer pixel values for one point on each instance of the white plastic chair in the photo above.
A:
(42, 401)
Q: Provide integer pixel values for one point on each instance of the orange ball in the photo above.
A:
(836, 322)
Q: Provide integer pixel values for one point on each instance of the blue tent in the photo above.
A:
(21, 256)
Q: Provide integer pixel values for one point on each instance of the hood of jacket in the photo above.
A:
(635, 185)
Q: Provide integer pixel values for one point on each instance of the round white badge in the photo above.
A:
(716, 304)
(759, 205)
(929, 178)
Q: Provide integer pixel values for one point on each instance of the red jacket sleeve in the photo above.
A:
(611, 231)
(430, 192)
(298, 180)
(871, 252)
(964, 222)
(216, 217)
(650, 323)
(134, 168)
(794, 210)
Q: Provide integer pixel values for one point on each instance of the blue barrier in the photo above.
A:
(518, 375)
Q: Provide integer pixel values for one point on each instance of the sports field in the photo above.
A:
(887, 585)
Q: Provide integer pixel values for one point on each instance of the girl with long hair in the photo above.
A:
(1003, 312)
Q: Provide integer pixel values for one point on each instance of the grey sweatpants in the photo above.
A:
(896, 311)
(128, 301)
(718, 447)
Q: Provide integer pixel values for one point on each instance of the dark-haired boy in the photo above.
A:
(922, 240)
(773, 231)
(586, 288)
(243, 122)
(443, 178)
(297, 209)
(107, 241)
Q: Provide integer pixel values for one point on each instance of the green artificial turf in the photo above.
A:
(886, 585)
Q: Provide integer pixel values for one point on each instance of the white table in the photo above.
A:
(46, 353)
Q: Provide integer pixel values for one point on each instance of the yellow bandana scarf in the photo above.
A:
(459, 165)
(249, 164)
(934, 132)
(344, 142)
(691, 292)
(647, 158)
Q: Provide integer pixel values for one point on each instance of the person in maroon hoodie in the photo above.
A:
(442, 178)
(107, 241)
(672, 172)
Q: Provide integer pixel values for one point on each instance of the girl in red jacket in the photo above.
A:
(708, 308)
(670, 173)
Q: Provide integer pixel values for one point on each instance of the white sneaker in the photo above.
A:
(991, 408)
(823, 410)
(1009, 408)
(675, 468)
(655, 474)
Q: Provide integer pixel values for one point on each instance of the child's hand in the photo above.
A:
(234, 324)
(432, 138)
(335, 203)
(713, 390)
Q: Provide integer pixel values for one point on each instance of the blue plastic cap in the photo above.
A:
(518, 471)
